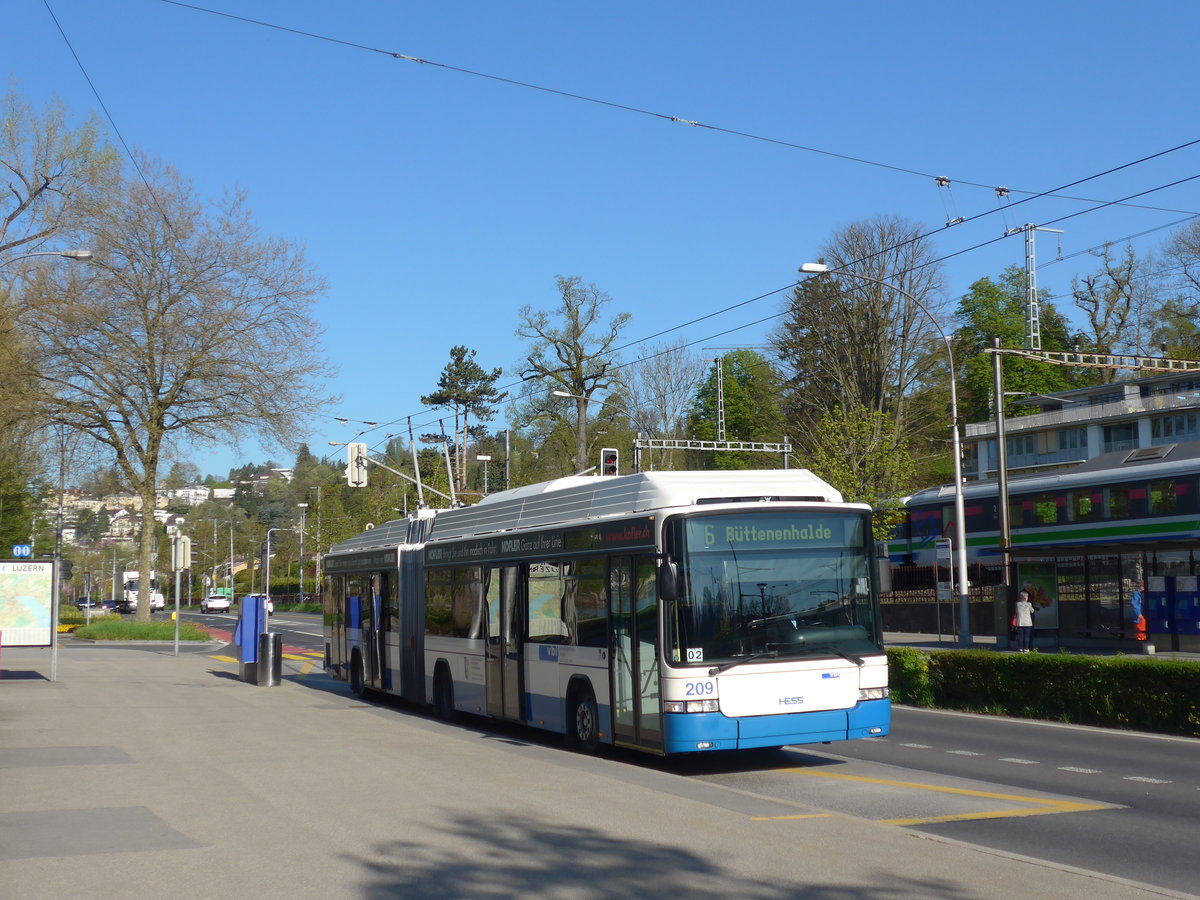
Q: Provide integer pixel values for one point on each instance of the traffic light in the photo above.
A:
(610, 461)
(65, 571)
(356, 465)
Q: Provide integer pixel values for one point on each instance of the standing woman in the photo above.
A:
(1024, 622)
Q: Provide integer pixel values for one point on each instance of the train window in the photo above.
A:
(1082, 506)
(1163, 497)
(1117, 503)
(982, 516)
(1045, 509)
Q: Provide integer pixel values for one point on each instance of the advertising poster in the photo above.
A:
(26, 597)
(1040, 579)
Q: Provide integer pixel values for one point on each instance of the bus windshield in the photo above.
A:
(771, 584)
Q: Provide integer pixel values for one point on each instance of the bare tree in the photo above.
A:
(857, 337)
(50, 174)
(659, 392)
(571, 349)
(54, 174)
(189, 325)
(1110, 298)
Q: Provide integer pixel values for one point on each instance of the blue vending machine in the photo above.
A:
(252, 622)
(1187, 613)
(1159, 610)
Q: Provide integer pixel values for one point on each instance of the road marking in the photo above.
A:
(964, 753)
(224, 658)
(1020, 762)
(1036, 806)
(1078, 770)
(1145, 780)
(918, 746)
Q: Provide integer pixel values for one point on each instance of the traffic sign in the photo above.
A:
(22, 551)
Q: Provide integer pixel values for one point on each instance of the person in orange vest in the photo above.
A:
(1135, 609)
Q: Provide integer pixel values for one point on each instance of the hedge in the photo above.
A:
(1137, 693)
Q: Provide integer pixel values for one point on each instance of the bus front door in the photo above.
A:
(505, 640)
(637, 709)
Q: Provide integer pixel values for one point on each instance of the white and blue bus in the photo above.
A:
(670, 612)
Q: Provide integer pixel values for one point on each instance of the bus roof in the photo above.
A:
(582, 498)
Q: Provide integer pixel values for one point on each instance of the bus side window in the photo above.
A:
(545, 596)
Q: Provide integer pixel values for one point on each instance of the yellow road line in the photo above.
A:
(1037, 806)
(223, 658)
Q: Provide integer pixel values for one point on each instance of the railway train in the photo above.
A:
(1128, 501)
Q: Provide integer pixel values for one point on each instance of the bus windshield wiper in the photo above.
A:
(766, 654)
(857, 660)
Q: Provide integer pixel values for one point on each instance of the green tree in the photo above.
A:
(469, 390)
(862, 454)
(751, 389)
(996, 309)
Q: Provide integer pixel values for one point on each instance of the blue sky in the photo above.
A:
(437, 203)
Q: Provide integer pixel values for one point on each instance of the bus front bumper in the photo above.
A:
(702, 732)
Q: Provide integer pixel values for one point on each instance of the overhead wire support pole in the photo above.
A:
(1033, 318)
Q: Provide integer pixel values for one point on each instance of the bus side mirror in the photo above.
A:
(668, 581)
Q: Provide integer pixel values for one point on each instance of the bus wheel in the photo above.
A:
(583, 732)
(358, 680)
(443, 695)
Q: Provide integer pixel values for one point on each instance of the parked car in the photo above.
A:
(214, 603)
(95, 604)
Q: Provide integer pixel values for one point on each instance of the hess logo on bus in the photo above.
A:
(791, 701)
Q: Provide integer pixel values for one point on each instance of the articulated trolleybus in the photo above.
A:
(670, 612)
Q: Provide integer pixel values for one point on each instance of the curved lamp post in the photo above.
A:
(960, 525)
(77, 255)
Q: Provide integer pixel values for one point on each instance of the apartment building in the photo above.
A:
(1067, 428)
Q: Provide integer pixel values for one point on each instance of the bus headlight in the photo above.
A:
(873, 693)
(691, 706)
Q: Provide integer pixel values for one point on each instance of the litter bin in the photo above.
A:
(270, 659)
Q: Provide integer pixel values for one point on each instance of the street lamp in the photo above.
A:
(77, 255)
(303, 509)
(960, 525)
(485, 460)
(267, 569)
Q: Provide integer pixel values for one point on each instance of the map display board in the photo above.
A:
(26, 598)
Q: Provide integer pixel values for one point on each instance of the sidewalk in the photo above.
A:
(142, 773)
